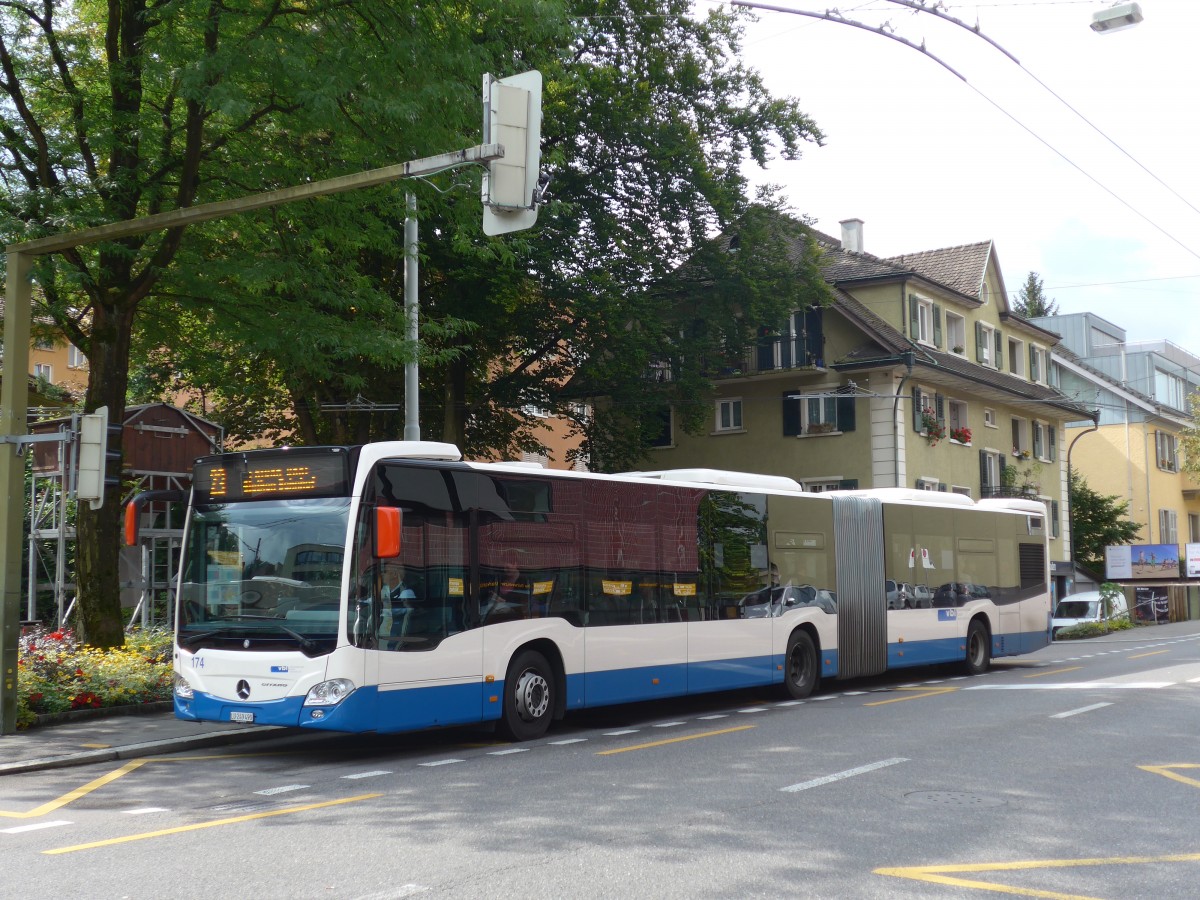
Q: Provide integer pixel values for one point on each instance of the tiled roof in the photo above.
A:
(839, 265)
(958, 268)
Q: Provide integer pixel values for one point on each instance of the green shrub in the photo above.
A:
(1093, 629)
(57, 674)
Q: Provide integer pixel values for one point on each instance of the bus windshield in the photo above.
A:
(264, 575)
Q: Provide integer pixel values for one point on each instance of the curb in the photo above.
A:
(75, 715)
(146, 748)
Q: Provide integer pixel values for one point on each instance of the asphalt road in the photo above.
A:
(1071, 773)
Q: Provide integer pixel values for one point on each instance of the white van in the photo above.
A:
(1085, 606)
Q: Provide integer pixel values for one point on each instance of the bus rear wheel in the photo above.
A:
(800, 666)
(979, 649)
(528, 697)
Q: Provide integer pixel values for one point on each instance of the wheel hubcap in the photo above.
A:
(533, 696)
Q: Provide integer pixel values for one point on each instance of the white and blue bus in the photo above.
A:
(520, 594)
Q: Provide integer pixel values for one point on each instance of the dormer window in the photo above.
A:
(925, 321)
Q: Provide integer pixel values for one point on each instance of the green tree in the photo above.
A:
(1032, 300)
(122, 109)
(1189, 438)
(1097, 521)
(648, 120)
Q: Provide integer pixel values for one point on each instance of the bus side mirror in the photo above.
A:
(387, 532)
(133, 509)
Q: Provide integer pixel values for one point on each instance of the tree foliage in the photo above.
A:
(1189, 438)
(1032, 300)
(1097, 521)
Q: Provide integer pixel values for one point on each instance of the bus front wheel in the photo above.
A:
(800, 666)
(979, 649)
(528, 697)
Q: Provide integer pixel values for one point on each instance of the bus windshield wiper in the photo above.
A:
(306, 644)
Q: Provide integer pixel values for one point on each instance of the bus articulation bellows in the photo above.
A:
(520, 594)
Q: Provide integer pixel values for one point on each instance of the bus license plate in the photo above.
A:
(236, 716)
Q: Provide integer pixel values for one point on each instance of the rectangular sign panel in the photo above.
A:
(1142, 561)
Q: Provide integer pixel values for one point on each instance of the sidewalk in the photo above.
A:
(105, 738)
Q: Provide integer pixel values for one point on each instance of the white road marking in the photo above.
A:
(668, 724)
(508, 751)
(849, 773)
(440, 762)
(827, 697)
(282, 790)
(569, 741)
(144, 810)
(1082, 709)
(790, 703)
(1077, 686)
(37, 826)
(717, 716)
(371, 774)
(753, 709)
(619, 733)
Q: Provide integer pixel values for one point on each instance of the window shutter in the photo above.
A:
(999, 349)
(914, 317)
(983, 473)
(1053, 518)
(791, 416)
(941, 485)
(980, 337)
(845, 413)
(1051, 438)
(937, 326)
(939, 408)
(916, 409)
(1033, 363)
(1037, 439)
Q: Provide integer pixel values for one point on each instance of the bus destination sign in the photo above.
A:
(271, 476)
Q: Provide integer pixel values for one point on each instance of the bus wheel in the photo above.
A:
(800, 666)
(528, 697)
(979, 649)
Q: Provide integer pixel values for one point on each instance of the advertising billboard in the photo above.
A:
(1193, 560)
(1141, 561)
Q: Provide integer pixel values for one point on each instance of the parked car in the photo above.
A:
(1086, 606)
(922, 596)
(898, 594)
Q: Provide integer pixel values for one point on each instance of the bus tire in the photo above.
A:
(979, 648)
(528, 697)
(800, 665)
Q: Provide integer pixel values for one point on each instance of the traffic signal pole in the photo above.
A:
(14, 389)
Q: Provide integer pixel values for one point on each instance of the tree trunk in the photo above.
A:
(454, 391)
(98, 545)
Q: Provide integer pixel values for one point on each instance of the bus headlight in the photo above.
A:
(329, 693)
(183, 690)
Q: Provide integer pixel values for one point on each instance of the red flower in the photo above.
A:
(56, 635)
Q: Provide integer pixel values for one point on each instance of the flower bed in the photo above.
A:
(57, 674)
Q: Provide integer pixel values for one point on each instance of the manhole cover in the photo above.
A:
(952, 798)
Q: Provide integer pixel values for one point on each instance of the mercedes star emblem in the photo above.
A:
(243, 689)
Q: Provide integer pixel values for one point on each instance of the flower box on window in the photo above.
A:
(820, 428)
(961, 435)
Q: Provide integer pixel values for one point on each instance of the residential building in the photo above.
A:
(919, 375)
(1140, 390)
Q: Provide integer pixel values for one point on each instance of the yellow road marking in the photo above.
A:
(924, 692)
(675, 740)
(232, 821)
(77, 793)
(1151, 653)
(1053, 672)
(113, 776)
(941, 874)
(1164, 771)
(96, 746)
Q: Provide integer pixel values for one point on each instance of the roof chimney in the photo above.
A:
(852, 235)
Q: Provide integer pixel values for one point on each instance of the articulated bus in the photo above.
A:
(520, 594)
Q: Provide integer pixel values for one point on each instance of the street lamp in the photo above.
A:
(1116, 17)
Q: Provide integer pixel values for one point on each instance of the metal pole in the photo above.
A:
(412, 406)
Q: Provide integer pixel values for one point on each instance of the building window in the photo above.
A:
(836, 484)
(957, 422)
(956, 333)
(1193, 528)
(1055, 525)
(75, 357)
(661, 427)
(929, 484)
(1038, 367)
(989, 417)
(1020, 439)
(729, 415)
(1169, 389)
(1167, 533)
(960, 489)
(990, 465)
(43, 370)
(535, 412)
(1166, 451)
(805, 414)
(985, 336)
(1039, 440)
(43, 343)
(1016, 358)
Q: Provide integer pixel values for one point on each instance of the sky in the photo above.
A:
(1106, 213)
